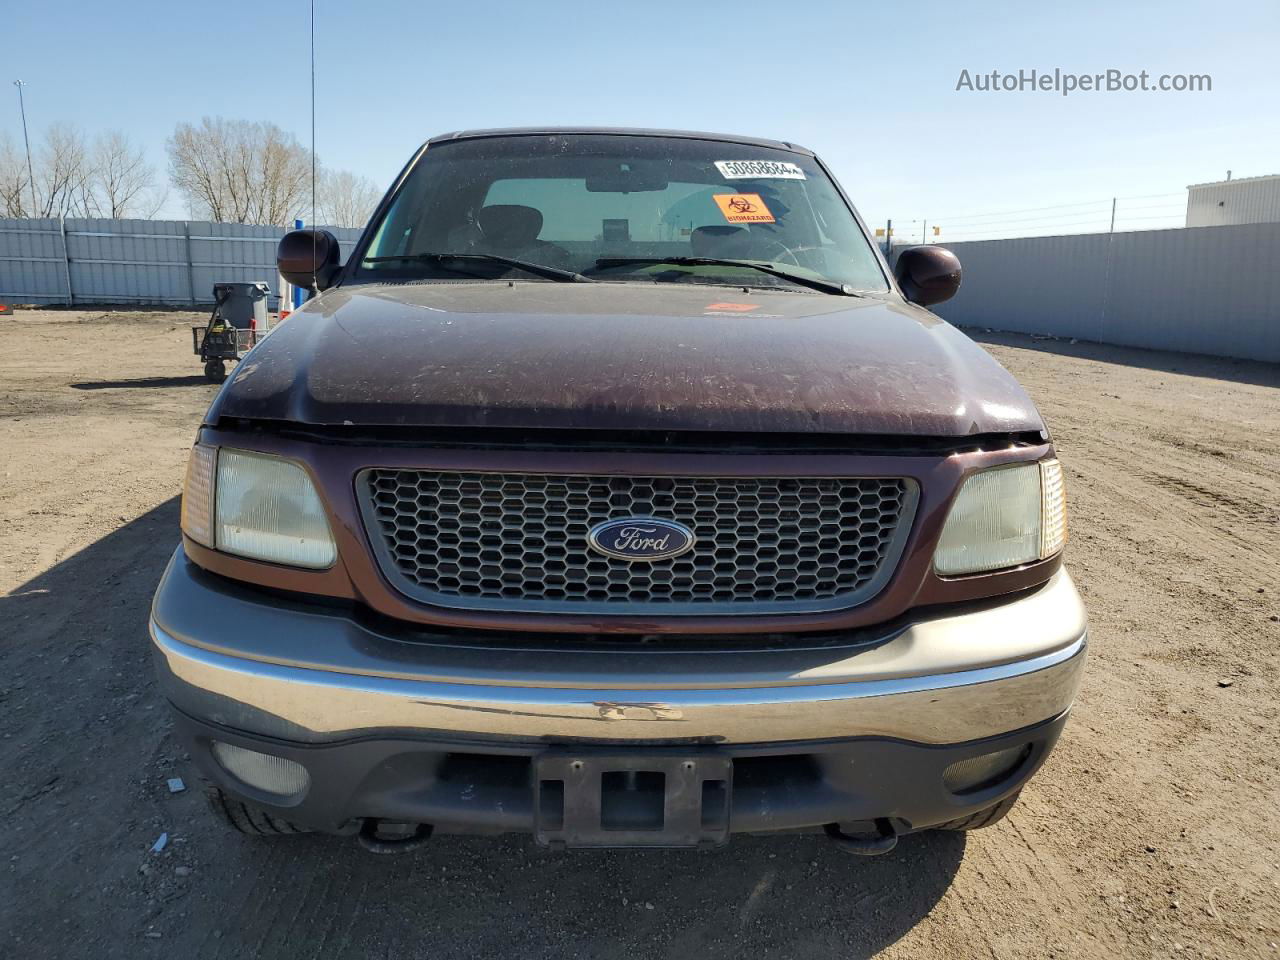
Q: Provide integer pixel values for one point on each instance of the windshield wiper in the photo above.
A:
(825, 286)
(537, 269)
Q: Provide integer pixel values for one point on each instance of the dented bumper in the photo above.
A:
(252, 662)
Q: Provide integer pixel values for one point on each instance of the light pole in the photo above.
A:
(31, 177)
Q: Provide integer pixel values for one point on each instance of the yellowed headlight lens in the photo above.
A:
(267, 508)
(1004, 517)
(994, 522)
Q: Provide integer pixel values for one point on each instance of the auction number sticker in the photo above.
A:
(743, 208)
(758, 170)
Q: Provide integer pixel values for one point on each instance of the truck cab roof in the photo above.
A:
(619, 132)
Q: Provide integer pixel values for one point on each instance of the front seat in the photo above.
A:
(723, 242)
(511, 230)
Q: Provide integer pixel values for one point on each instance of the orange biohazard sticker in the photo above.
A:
(743, 208)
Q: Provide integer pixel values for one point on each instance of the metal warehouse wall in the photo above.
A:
(173, 262)
(1213, 290)
(1248, 200)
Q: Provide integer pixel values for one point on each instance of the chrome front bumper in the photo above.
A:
(245, 660)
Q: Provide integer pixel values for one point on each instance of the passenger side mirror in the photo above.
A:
(927, 274)
(307, 256)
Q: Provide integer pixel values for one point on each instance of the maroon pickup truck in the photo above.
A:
(615, 491)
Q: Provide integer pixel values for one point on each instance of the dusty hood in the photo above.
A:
(623, 356)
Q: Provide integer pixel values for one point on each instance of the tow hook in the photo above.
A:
(374, 841)
(865, 845)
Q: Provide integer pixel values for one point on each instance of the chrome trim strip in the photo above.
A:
(306, 704)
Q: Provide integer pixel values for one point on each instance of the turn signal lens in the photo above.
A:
(1004, 517)
(1053, 537)
(267, 509)
(197, 495)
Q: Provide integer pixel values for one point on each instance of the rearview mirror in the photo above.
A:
(609, 176)
(307, 257)
(927, 274)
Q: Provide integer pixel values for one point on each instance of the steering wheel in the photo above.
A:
(546, 253)
(776, 251)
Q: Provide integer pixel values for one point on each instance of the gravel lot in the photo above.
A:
(1153, 831)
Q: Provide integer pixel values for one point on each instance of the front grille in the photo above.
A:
(518, 542)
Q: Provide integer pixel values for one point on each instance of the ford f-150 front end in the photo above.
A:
(615, 492)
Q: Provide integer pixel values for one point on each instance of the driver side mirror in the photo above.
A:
(927, 274)
(305, 257)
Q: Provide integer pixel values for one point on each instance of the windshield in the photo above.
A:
(594, 204)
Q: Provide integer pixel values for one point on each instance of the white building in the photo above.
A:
(1247, 200)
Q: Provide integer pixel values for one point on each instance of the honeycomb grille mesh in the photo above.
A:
(519, 541)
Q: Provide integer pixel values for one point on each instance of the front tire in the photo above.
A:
(983, 818)
(247, 819)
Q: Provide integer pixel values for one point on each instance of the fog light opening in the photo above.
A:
(984, 771)
(282, 778)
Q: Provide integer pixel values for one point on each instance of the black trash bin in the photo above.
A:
(239, 318)
(243, 305)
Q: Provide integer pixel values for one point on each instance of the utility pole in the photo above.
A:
(1113, 216)
(31, 177)
(924, 231)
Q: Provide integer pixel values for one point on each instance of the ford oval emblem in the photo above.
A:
(641, 538)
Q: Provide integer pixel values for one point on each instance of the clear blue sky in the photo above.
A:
(870, 87)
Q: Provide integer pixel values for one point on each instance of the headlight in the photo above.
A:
(1004, 517)
(256, 506)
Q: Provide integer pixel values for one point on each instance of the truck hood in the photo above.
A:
(623, 356)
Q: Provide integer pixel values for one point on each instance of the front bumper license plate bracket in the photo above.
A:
(582, 799)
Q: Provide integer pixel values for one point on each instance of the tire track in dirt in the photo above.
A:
(1165, 562)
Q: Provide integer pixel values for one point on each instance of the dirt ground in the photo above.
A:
(1154, 830)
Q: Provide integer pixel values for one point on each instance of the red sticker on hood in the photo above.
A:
(733, 307)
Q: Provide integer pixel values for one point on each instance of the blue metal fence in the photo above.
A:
(1213, 290)
(174, 262)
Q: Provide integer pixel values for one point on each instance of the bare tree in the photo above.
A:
(122, 179)
(64, 178)
(237, 171)
(345, 199)
(14, 193)
(112, 180)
